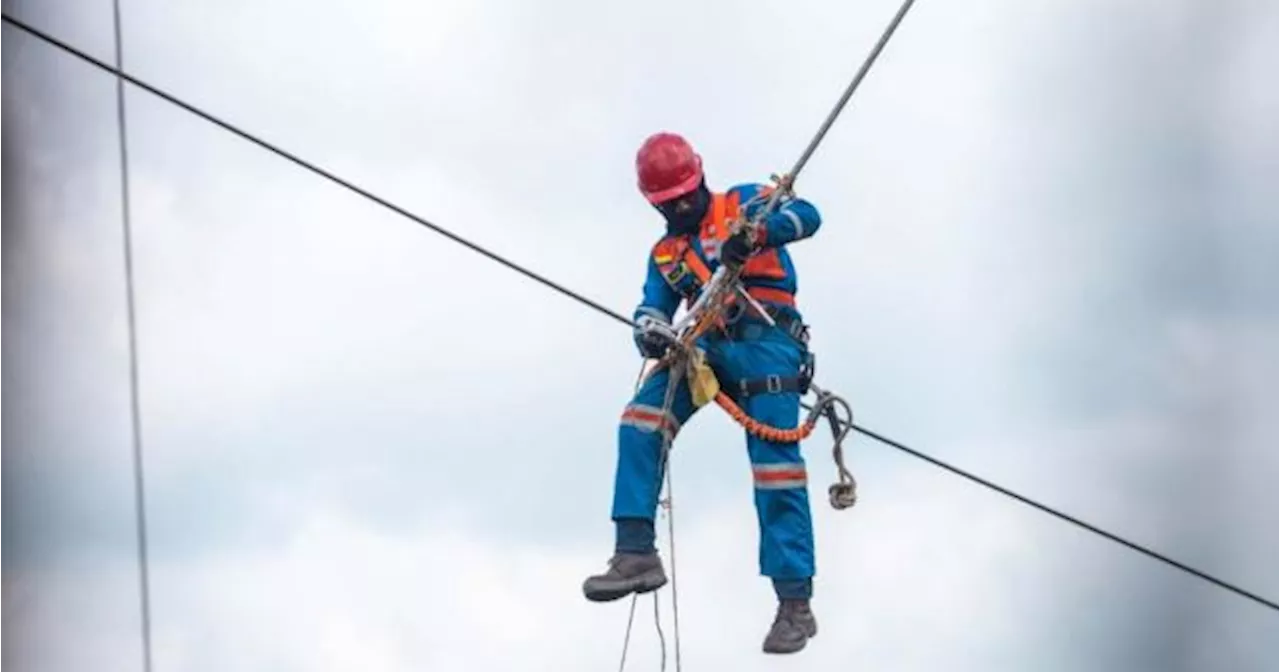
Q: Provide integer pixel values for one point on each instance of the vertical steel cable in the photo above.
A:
(135, 414)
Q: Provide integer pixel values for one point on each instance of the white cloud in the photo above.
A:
(922, 574)
(446, 598)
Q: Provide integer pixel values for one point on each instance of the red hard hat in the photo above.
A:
(667, 167)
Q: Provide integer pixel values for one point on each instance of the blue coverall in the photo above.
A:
(756, 350)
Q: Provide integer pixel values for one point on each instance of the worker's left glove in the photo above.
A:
(653, 336)
(741, 245)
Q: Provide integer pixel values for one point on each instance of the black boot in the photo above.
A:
(792, 627)
(628, 573)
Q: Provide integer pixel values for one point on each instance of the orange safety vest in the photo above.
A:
(676, 257)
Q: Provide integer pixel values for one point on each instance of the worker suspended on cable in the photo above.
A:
(759, 365)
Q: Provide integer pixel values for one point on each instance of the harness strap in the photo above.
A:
(694, 263)
(771, 384)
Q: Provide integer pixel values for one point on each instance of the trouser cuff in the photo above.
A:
(634, 535)
(793, 589)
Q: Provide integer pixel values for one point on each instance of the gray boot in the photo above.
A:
(792, 627)
(628, 573)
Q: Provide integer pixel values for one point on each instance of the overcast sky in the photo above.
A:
(1048, 256)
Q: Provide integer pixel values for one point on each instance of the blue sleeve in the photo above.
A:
(659, 300)
(795, 218)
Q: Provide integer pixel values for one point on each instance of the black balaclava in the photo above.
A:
(684, 214)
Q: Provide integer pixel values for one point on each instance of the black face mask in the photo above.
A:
(684, 214)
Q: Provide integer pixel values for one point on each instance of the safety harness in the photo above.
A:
(719, 307)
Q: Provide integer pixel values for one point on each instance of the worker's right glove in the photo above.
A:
(738, 247)
(653, 336)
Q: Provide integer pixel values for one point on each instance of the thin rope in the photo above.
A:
(662, 638)
(626, 639)
(673, 382)
(663, 477)
(588, 302)
(671, 536)
(135, 413)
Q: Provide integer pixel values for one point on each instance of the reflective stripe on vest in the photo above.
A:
(772, 295)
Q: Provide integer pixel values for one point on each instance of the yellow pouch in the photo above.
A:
(703, 385)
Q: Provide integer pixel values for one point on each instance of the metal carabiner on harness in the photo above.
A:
(806, 372)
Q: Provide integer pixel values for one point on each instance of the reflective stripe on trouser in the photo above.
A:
(781, 495)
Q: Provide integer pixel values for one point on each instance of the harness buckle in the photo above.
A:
(773, 383)
(733, 313)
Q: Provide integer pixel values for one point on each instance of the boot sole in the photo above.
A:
(799, 647)
(790, 648)
(645, 583)
(810, 632)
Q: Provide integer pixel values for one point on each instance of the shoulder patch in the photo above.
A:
(667, 253)
(667, 247)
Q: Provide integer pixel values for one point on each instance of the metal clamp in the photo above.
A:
(843, 493)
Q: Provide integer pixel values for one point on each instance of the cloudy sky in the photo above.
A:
(1048, 256)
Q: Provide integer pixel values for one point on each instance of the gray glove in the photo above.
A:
(653, 336)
